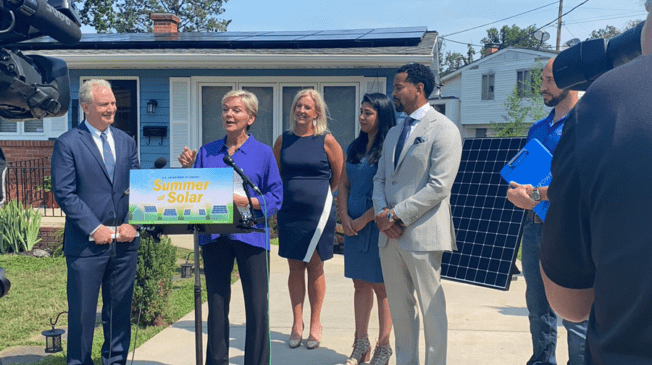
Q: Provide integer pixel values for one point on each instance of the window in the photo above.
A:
(488, 87)
(22, 128)
(525, 83)
(440, 108)
(480, 132)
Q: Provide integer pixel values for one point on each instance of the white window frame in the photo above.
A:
(200, 103)
(358, 100)
(490, 96)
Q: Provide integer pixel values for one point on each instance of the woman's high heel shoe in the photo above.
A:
(361, 351)
(295, 343)
(312, 344)
(381, 355)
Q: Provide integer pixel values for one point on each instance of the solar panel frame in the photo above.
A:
(487, 225)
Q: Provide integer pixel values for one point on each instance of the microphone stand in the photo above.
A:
(248, 222)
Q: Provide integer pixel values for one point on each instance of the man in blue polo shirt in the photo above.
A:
(543, 320)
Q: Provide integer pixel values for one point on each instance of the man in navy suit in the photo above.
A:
(90, 180)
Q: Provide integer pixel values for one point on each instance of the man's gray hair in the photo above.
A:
(86, 90)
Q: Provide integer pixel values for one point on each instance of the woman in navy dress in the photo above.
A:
(361, 256)
(310, 161)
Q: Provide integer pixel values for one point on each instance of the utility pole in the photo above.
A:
(561, 7)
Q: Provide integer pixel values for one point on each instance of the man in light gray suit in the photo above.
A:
(411, 196)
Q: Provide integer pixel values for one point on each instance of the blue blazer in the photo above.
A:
(82, 187)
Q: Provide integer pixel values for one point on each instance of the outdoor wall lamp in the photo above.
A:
(53, 337)
(186, 269)
(151, 106)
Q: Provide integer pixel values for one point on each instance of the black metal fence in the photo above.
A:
(28, 181)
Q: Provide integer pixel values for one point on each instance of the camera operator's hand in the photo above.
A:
(187, 157)
(103, 235)
(126, 233)
(519, 195)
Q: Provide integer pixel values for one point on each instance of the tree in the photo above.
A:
(513, 36)
(522, 107)
(610, 31)
(607, 32)
(133, 16)
(456, 60)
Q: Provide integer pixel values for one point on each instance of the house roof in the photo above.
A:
(457, 72)
(383, 47)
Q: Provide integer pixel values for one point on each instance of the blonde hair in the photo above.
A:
(86, 90)
(249, 100)
(321, 126)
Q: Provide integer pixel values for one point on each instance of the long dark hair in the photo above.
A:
(386, 120)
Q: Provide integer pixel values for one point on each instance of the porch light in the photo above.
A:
(151, 106)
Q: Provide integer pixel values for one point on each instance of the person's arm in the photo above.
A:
(519, 195)
(64, 187)
(343, 204)
(277, 153)
(335, 160)
(571, 304)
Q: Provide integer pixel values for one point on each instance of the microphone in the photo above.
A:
(229, 161)
(160, 163)
(48, 20)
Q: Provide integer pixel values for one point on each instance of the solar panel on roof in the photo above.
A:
(392, 35)
(202, 211)
(150, 209)
(170, 212)
(400, 30)
(186, 212)
(487, 225)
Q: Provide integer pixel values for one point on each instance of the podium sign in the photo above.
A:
(181, 196)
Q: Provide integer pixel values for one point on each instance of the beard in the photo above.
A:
(398, 105)
(554, 100)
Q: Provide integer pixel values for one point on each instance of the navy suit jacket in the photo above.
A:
(82, 187)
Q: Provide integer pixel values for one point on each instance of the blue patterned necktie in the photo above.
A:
(109, 161)
(401, 139)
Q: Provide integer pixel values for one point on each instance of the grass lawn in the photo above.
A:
(38, 293)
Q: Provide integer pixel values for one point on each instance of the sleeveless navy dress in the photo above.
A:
(306, 220)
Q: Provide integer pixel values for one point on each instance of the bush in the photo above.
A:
(153, 286)
(19, 227)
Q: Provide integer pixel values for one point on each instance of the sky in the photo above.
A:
(443, 16)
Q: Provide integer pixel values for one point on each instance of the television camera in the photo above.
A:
(33, 87)
(577, 67)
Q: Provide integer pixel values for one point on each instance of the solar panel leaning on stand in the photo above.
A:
(487, 225)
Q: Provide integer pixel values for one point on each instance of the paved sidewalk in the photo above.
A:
(486, 326)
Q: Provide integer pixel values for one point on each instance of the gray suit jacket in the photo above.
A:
(420, 186)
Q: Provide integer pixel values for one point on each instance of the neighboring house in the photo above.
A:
(183, 76)
(473, 96)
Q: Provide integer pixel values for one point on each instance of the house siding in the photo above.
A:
(467, 85)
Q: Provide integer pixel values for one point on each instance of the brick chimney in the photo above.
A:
(165, 23)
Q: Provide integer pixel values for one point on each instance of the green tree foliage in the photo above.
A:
(456, 60)
(522, 107)
(133, 16)
(513, 36)
(607, 32)
(610, 31)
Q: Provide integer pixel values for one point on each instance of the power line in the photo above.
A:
(598, 19)
(498, 21)
(465, 43)
(547, 24)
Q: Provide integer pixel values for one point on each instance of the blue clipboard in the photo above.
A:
(531, 165)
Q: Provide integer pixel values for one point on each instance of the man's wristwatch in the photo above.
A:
(390, 217)
(535, 195)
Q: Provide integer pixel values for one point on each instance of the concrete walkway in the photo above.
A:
(486, 326)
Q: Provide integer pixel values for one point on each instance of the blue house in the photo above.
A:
(169, 85)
